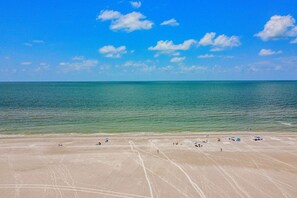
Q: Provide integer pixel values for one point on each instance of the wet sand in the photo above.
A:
(149, 165)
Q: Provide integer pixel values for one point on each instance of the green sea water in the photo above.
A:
(92, 107)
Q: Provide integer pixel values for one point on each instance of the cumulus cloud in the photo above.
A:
(170, 22)
(278, 27)
(127, 22)
(268, 52)
(78, 65)
(225, 41)
(110, 51)
(206, 56)
(79, 58)
(169, 46)
(33, 42)
(26, 63)
(207, 39)
(193, 68)
(219, 43)
(108, 15)
(177, 59)
(135, 4)
(139, 66)
(214, 56)
(134, 64)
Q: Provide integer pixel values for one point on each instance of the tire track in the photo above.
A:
(225, 174)
(67, 188)
(132, 145)
(194, 185)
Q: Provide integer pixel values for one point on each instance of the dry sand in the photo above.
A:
(143, 166)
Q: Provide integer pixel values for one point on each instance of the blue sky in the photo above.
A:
(102, 40)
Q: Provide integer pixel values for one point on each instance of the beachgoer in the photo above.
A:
(221, 149)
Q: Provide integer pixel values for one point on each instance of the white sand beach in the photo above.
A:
(149, 165)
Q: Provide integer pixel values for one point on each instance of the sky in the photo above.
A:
(146, 40)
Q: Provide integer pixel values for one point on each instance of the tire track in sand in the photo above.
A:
(194, 185)
(225, 174)
(132, 145)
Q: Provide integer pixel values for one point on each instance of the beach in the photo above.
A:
(144, 165)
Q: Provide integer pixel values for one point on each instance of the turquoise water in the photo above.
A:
(87, 107)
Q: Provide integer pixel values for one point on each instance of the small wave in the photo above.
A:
(288, 124)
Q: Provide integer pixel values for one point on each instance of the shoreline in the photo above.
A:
(135, 134)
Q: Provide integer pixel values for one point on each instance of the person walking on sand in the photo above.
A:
(221, 149)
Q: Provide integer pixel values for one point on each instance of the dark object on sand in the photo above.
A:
(99, 143)
(219, 139)
(221, 149)
(60, 144)
(198, 145)
(106, 140)
(258, 138)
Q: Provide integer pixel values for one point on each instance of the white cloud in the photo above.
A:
(38, 41)
(167, 68)
(193, 68)
(135, 4)
(26, 63)
(78, 65)
(215, 56)
(139, 66)
(108, 15)
(110, 51)
(294, 41)
(169, 46)
(42, 67)
(278, 27)
(206, 56)
(207, 39)
(43, 64)
(78, 58)
(177, 59)
(225, 41)
(268, 52)
(28, 44)
(219, 43)
(170, 22)
(134, 64)
(128, 22)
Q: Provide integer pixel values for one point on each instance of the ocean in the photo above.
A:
(109, 107)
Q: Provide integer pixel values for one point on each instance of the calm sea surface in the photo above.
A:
(148, 106)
